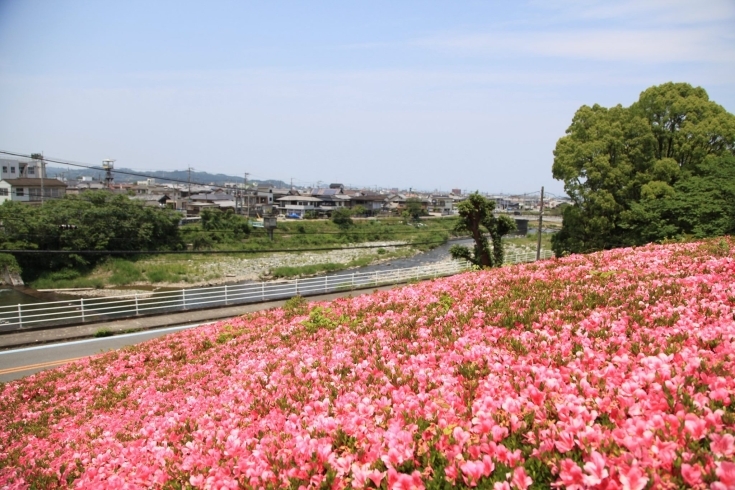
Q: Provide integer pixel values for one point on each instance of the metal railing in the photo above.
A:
(76, 311)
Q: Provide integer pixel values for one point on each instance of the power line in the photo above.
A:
(92, 167)
(169, 179)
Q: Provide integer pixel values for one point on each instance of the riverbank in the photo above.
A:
(235, 270)
(207, 270)
(167, 272)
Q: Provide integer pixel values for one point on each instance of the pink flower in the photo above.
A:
(461, 436)
(691, 474)
(633, 479)
(520, 479)
(725, 471)
(451, 473)
(472, 471)
(722, 444)
(695, 426)
(361, 474)
(571, 475)
(565, 442)
(595, 468)
(501, 485)
(402, 481)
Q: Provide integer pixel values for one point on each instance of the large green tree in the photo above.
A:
(476, 217)
(414, 208)
(646, 172)
(98, 221)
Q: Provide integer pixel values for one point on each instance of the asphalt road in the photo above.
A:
(18, 363)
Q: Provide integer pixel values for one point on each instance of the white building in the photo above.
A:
(13, 168)
(31, 190)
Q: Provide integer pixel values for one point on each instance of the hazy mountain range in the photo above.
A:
(162, 176)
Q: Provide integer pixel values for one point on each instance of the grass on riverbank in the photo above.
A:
(310, 270)
(201, 267)
(290, 235)
(530, 241)
(303, 234)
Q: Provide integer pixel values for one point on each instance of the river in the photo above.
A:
(12, 297)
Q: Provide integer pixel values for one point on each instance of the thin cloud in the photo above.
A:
(653, 46)
(650, 31)
(650, 12)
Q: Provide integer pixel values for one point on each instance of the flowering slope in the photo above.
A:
(612, 370)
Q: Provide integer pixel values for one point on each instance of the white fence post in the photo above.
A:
(225, 293)
(262, 291)
(20, 317)
(297, 285)
(81, 303)
(376, 278)
(183, 297)
(136, 304)
(353, 280)
(326, 283)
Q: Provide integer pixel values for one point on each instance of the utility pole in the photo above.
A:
(188, 197)
(39, 157)
(247, 206)
(540, 224)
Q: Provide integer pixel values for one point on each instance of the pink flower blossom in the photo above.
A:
(722, 444)
(692, 474)
(571, 475)
(520, 479)
(725, 472)
(595, 469)
(633, 479)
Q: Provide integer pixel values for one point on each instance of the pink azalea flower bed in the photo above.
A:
(612, 370)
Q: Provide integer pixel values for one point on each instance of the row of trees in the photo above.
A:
(98, 221)
(662, 168)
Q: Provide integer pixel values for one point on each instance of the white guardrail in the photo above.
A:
(75, 311)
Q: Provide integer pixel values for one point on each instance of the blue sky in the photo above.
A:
(429, 95)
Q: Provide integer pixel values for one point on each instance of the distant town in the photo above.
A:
(28, 180)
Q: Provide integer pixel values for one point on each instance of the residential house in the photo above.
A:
(331, 198)
(12, 168)
(219, 200)
(373, 202)
(443, 203)
(298, 205)
(157, 200)
(31, 189)
(395, 202)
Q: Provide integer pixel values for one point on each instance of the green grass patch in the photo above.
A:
(66, 279)
(123, 272)
(167, 272)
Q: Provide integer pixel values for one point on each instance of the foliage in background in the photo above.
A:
(342, 217)
(414, 208)
(8, 262)
(661, 168)
(476, 217)
(90, 221)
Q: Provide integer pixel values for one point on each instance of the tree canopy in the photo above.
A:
(476, 217)
(90, 221)
(414, 208)
(662, 168)
(342, 217)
